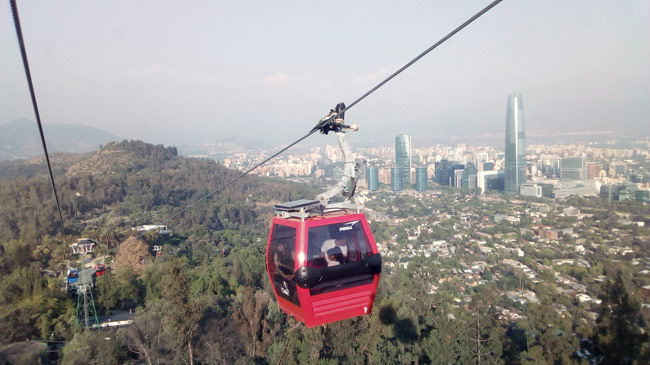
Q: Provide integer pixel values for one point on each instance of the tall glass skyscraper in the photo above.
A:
(421, 179)
(373, 178)
(443, 172)
(468, 179)
(396, 183)
(403, 157)
(515, 173)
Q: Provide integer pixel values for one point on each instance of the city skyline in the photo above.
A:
(549, 171)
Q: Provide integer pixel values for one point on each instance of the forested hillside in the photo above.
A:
(104, 195)
(131, 183)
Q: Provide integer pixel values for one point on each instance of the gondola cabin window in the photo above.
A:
(281, 262)
(338, 245)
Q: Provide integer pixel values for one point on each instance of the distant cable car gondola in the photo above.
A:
(321, 258)
(72, 275)
(164, 231)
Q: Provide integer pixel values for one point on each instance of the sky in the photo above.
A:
(180, 73)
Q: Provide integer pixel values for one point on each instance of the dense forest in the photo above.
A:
(207, 298)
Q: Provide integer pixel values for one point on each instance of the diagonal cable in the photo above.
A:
(23, 52)
(232, 180)
(239, 177)
(434, 46)
(414, 60)
(333, 116)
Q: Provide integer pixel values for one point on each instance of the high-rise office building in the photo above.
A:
(515, 173)
(481, 157)
(373, 178)
(488, 166)
(490, 180)
(396, 183)
(458, 178)
(456, 174)
(443, 172)
(573, 168)
(495, 182)
(403, 157)
(469, 177)
(642, 196)
(421, 179)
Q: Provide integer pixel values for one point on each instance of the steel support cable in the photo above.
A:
(332, 117)
(233, 180)
(28, 74)
(434, 46)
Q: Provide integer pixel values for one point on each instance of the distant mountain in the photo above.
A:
(20, 139)
(61, 162)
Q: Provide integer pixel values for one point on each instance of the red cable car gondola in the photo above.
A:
(321, 258)
(323, 267)
(100, 269)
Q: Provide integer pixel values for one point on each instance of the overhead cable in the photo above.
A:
(414, 60)
(23, 52)
(238, 177)
(341, 112)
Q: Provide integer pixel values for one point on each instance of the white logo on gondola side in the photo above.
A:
(285, 288)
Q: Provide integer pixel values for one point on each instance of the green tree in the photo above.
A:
(95, 347)
(619, 338)
(545, 329)
(252, 317)
(146, 337)
(120, 290)
(181, 314)
(447, 342)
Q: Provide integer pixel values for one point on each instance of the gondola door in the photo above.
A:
(347, 286)
(284, 242)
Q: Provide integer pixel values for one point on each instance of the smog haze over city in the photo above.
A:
(187, 75)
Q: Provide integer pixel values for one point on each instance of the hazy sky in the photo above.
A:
(176, 72)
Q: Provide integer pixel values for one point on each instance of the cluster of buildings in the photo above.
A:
(400, 174)
(538, 170)
(545, 172)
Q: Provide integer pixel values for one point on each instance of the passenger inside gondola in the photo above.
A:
(314, 258)
(335, 257)
(338, 241)
(333, 246)
(283, 260)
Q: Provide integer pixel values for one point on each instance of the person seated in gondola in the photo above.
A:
(338, 240)
(335, 257)
(282, 259)
(315, 258)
